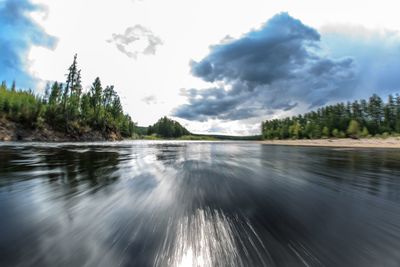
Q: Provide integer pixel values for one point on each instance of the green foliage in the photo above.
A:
(19, 106)
(65, 107)
(354, 129)
(373, 116)
(152, 137)
(198, 138)
(325, 132)
(335, 133)
(385, 135)
(364, 132)
(167, 128)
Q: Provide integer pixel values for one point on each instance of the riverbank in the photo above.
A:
(390, 142)
(12, 131)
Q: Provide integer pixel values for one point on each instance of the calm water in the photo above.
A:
(198, 204)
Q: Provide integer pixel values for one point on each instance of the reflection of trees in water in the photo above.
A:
(16, 164)
(6, 158)
(168, 154)
(15, 159)
(94, 167)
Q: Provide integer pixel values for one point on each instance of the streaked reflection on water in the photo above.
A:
(197, 204)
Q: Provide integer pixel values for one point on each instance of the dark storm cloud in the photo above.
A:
(274, 67)
(18, 33)
(261, 56)
(133, 35)
(218, 103)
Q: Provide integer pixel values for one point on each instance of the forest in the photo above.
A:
(167, 128)
(362, 118)
(65, 107)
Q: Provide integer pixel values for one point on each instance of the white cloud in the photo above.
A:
(136, 40)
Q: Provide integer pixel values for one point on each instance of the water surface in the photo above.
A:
(198, 204)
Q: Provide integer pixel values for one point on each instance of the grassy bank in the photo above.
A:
(201, 137)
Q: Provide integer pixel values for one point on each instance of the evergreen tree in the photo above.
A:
(13, 87)
(3, 85)
(375, 110)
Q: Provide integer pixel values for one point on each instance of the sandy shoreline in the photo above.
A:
(392, 142)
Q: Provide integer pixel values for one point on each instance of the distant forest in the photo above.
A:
(167, 128)
(66, 108)
(364, 118)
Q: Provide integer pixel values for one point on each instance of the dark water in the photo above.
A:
(198, 204)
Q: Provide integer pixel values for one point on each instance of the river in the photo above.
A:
(155, 203)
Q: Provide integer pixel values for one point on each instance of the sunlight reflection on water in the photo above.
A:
(207, 238)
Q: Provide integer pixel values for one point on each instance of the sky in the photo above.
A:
(215, 66)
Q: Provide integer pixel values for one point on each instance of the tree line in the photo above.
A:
(66, 107)
(362, 118)
(167, 128)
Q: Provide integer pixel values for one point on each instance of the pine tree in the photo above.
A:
(397, 120)
(13, 87)
(96, 95)
(3, 85)
(375, 110)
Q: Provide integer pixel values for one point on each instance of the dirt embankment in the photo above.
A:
(12, 131)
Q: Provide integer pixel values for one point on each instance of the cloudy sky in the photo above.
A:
(217, 66)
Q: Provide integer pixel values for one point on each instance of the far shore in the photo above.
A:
(390, 142)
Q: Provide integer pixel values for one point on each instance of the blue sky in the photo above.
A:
(216, 66)
(18, 33)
